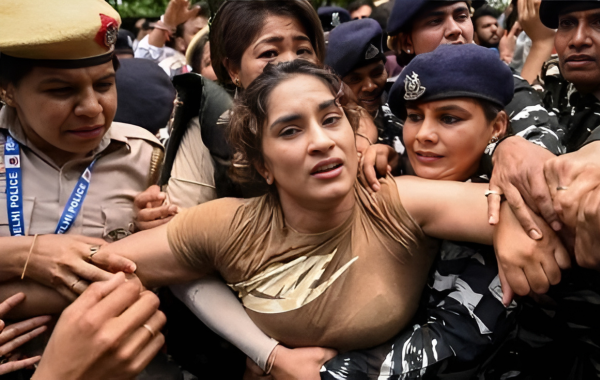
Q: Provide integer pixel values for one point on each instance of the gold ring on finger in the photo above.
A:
(150, 330)
(93, 250)
(559, 188)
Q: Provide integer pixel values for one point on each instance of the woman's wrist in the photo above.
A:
(14, 255)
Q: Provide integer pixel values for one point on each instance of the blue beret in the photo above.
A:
(550, 10)
(404, 11)
(124, 42)
(326, 15)
(353, 45)
(452, 71)
(146, 94)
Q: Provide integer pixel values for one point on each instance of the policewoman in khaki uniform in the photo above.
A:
(68, 174)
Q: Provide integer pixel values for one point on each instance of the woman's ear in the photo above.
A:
(500, 125)
(7, 96)
(265, 173)
(234, 72)
(405, 43)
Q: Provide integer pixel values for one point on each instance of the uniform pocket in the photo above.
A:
(118, 222)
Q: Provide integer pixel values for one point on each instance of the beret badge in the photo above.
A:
(335, 19)
(372, 52)
(112, 32)
(413, 87)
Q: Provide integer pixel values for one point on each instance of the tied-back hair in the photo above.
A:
(238, 23)
(249, 114)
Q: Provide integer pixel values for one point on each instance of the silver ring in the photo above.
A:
(490, 192)
(93, 250)
(559, 188)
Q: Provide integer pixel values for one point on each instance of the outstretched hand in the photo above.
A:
(178, 12)
(112, 331)
(17, 334)
(63, 262)
(508, 43)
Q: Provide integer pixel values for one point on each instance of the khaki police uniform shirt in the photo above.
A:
(192, 179)
(121, 172)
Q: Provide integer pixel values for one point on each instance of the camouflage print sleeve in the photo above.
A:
(464, 318)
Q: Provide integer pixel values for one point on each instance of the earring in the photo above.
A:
(494, 140)
(237, 82)
(408, 51)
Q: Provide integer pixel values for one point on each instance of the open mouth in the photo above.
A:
(326, 168)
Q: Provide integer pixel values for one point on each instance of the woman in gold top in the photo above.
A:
(302, 255)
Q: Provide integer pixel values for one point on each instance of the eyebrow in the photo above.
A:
(326, 104)
(274, 39)
(63, 81)
(295, 116)
(451, 107)
(285, 119)
(436, 13)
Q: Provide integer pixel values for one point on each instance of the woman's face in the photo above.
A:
(447, 24)
(66, 110)
(445, 139)
(308, 144)
(281, 39)
(367, 83)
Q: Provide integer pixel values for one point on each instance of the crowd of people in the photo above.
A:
(406, 189)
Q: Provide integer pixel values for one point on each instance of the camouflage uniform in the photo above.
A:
(462, 321)
(558, 334)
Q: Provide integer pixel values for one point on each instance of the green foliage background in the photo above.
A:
(155, 8)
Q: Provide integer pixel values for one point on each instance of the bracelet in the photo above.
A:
(271, 362)
(28, 256)
(364, 137)
(161, 25)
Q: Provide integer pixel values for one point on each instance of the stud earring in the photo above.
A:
(494, 140)
(408, 51)
(237, 82)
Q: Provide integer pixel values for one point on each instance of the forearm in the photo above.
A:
(40, 300)
(156, 265)
(157, 37)
(539, 53)
(217, 307)
(13, 253)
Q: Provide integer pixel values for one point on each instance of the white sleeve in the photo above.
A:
(146, 51)
(218, 308)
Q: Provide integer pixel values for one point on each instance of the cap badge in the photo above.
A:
(112, 32)
(335, 19)
(108, 32)
(372, 52)
(413, 87)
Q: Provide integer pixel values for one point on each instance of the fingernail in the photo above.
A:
(132, 268)
(535, 235)
(556, 226)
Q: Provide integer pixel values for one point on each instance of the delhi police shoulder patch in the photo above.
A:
(412, 86)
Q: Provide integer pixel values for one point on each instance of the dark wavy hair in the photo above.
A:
(249, 113)
(237, 23)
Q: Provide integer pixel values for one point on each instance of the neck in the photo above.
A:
(316, 218)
